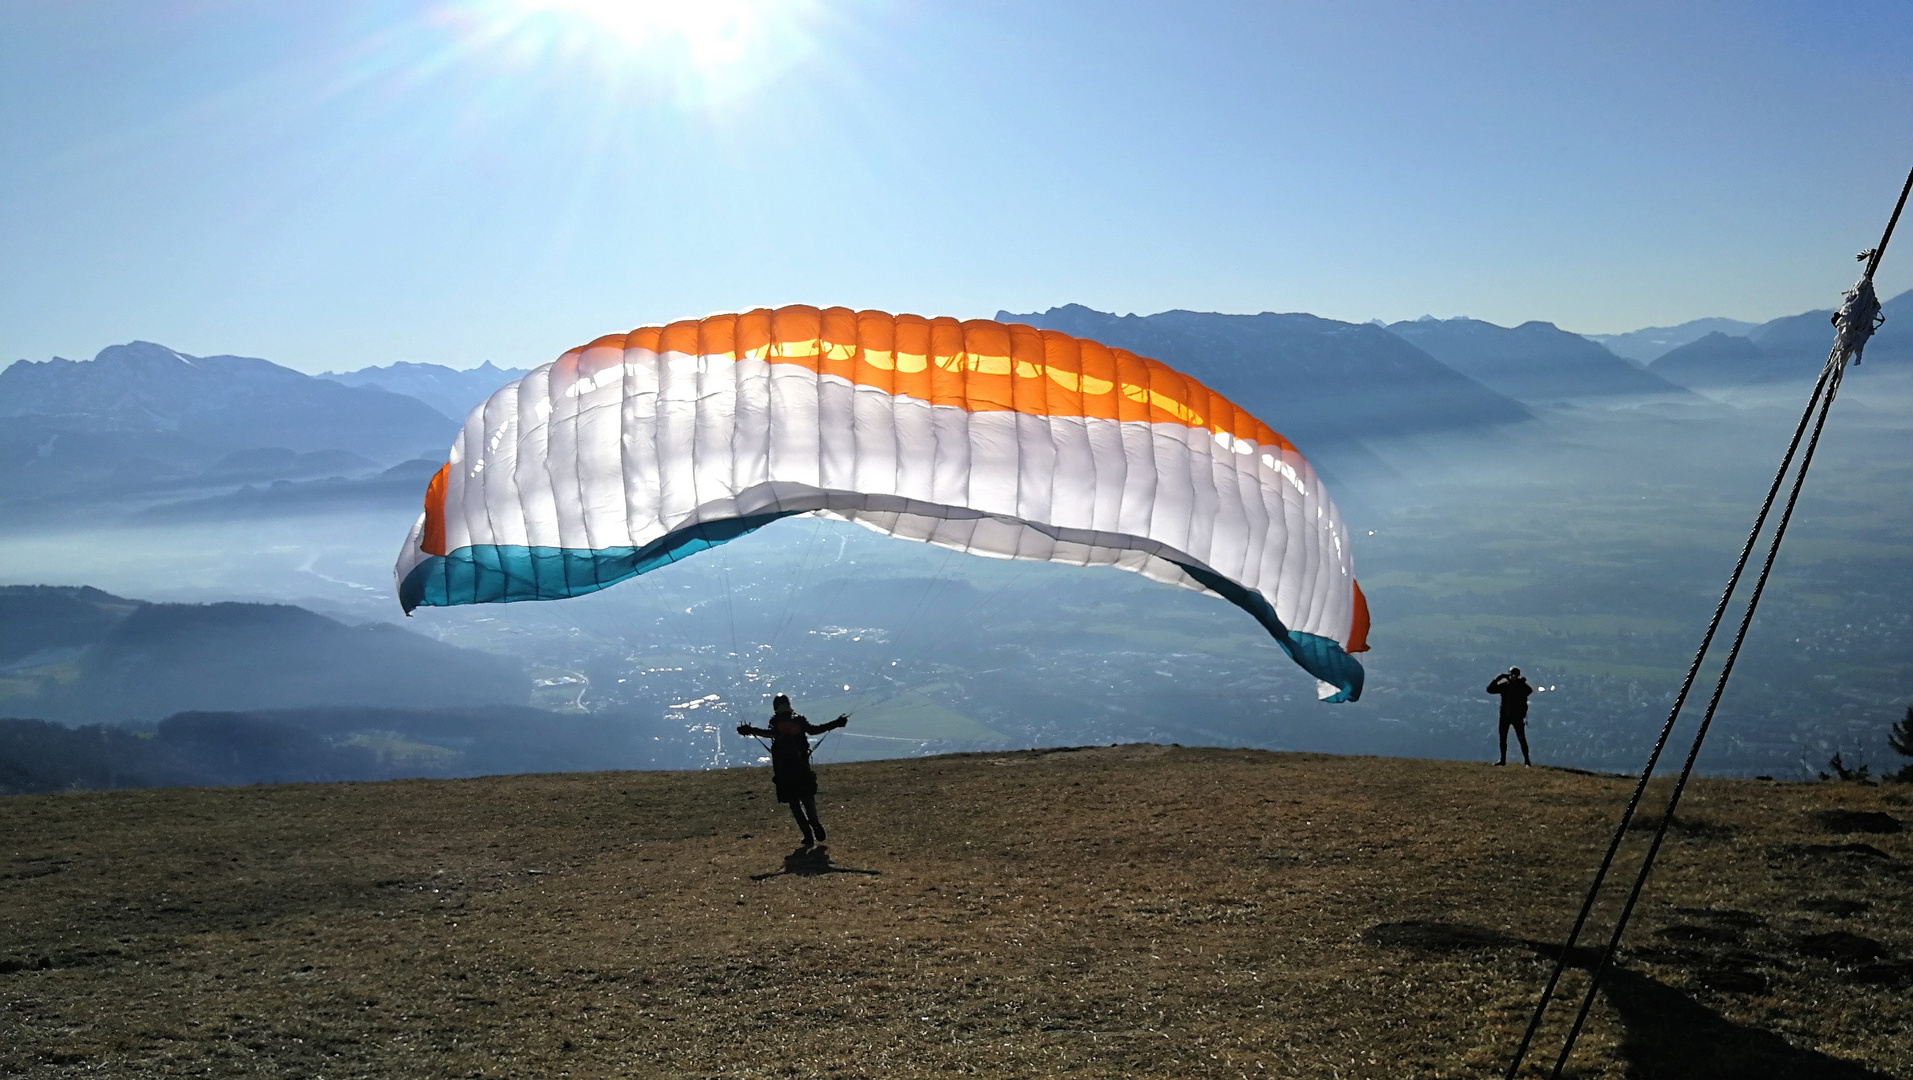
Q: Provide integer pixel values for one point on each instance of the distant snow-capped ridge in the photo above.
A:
(234, 402)
(451, 391)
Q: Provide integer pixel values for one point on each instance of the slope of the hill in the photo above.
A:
(208, 749)
(1799, 343)
(1536, 362)
(397, 487)
(80, 655)
(1719, 360)
(1128, 911)
(1650, 343)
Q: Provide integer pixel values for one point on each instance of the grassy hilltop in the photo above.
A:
(1124, 911)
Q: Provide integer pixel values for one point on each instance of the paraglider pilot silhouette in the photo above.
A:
(1514, 692)
(790, 733)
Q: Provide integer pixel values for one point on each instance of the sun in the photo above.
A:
(708, 48)
(711, 32)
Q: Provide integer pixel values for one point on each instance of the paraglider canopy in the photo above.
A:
(995, 439)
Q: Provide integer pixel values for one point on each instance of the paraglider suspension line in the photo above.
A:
(1820, 402)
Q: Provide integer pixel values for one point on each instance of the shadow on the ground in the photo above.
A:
(1666, 1035)
(811, 862)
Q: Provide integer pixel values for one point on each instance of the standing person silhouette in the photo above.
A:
(1513, 691)
(789, 734)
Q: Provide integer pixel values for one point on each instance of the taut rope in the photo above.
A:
(1854, 323)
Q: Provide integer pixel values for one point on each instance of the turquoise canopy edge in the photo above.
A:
(511, 573)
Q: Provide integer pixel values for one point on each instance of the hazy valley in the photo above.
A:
(1519, 496)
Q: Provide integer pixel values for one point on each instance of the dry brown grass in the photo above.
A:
(1126, 911)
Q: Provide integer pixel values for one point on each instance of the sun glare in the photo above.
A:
(710, 32)
(704, 48)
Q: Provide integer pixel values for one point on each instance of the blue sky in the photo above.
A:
(337, 184)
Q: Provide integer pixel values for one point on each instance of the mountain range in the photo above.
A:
(148, 430)
(1719, 353)
(222, 403)
(78, 654)
(142, 421)
(1536, 362)
(126, 693)
(1322, 383)
(1648, 344)
(1784, 350)
(449, 390)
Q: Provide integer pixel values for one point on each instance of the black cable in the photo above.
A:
(1707, 719)
(1845, 347)
(1667, 729)
(1873, 263)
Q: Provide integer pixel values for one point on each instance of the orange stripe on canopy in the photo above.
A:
(433, 540)
(1358, 625)
(979, 365)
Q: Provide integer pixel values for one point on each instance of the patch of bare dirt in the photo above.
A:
(1119, 911)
